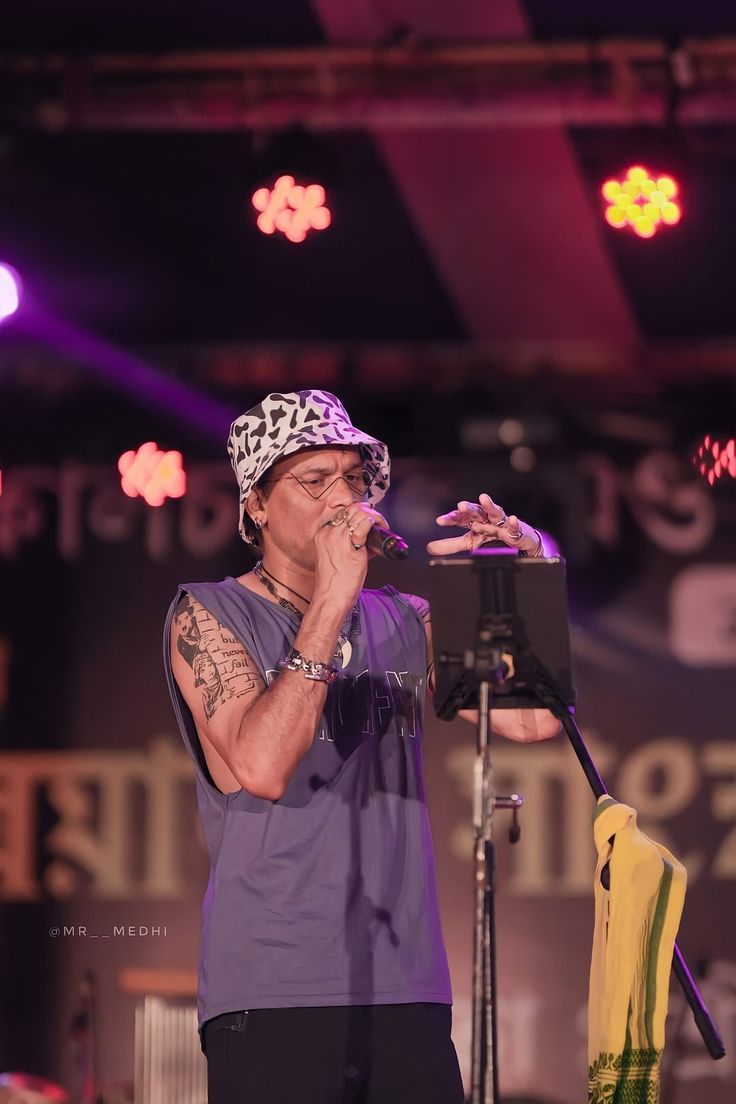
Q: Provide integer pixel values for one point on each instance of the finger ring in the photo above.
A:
(515, 536)
(357, 547)
(502, 521)
(340, 518)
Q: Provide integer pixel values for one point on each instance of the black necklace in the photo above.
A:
(291, 589)
(344, 649)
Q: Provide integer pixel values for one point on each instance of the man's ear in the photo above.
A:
(254, 503)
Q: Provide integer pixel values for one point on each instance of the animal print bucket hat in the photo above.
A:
(282, 424)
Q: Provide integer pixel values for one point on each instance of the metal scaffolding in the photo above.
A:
(417, 84)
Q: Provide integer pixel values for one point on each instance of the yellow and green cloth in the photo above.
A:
(636, 922)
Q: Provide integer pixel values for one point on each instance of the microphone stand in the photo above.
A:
(486, 666)
(493, 660)
(484, 1068)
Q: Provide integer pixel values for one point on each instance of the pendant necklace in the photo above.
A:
(344, 649)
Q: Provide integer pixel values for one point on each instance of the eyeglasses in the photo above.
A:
(318, 485)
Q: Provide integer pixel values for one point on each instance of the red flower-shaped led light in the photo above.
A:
(714, 459)
(291, 208)
(152, 473)
(642, 202)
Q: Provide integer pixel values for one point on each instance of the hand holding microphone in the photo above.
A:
(379, 539)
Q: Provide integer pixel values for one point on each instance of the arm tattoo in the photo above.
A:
(221, 667)
(188, 634)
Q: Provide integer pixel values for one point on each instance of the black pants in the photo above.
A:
(379, 1054)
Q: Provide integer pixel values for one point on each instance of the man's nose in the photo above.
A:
(341, 493)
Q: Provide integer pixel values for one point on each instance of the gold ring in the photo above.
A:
(357, 547)
(340, 518)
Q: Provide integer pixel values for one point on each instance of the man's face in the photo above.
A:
(293, 510)
(208, 673)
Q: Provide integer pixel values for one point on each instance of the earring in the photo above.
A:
(258, 523)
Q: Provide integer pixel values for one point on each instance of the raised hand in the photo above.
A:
(484, 521)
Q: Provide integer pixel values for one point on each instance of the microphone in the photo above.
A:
(387, 544)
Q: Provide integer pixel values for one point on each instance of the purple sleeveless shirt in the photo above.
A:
(326, 896)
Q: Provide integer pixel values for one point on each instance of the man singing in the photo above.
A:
(300, 697)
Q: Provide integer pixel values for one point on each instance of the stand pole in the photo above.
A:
(484, 1077)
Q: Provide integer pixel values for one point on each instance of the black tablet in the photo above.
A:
(522, 602)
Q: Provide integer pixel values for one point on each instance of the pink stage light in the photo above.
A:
(10, 291)
(713, 460)
(292, 209)
(642, 202)
(30, 1087)
(153, 474)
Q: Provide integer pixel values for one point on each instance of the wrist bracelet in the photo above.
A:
(316, 672)
(538, 551)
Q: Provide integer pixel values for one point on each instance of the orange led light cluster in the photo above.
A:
(291, 208)
(713, 459)
(152, 473)
(642, 202)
